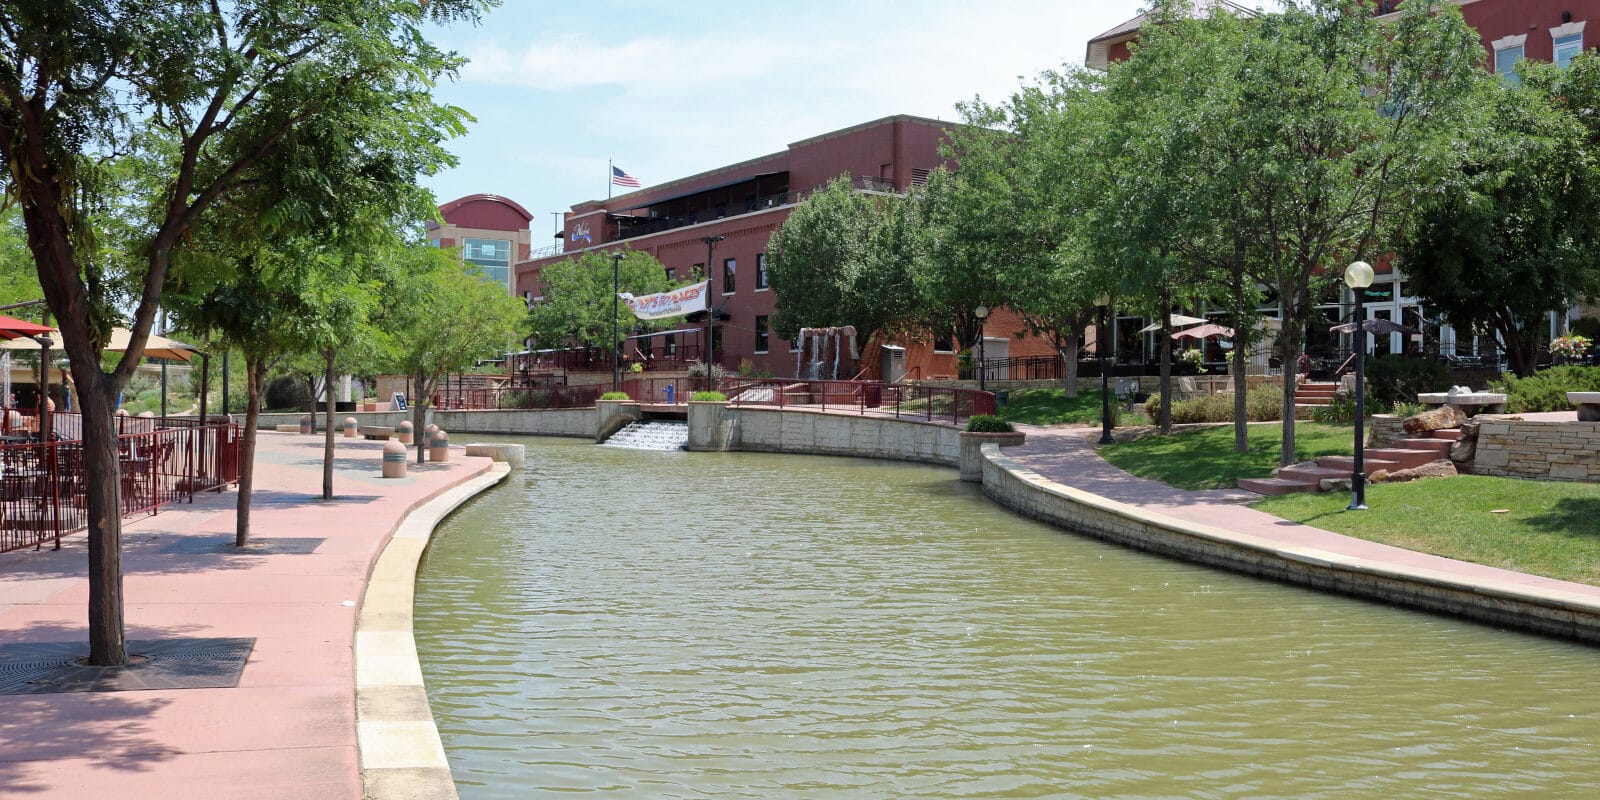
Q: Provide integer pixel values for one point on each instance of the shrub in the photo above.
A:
(1407, 409)
(1262, 404)
(614, 396)
(517, 399)
(708, 397)
(1342, 408)
(988, 423)
(1392, 379)
(1546, 390)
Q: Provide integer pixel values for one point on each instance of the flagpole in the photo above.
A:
(609, 167)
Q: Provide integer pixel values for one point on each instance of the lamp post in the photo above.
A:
(616, 346)
(982, 313)
(1103, 302)
(1358, 276)
(711, 249)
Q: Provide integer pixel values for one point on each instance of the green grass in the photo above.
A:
(1548, 527)
(1053, 407)
(1203, 458)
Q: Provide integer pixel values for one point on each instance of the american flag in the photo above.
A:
(620, 177)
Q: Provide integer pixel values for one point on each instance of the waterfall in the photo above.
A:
(799, 357)
(837, 340)
(651, 435)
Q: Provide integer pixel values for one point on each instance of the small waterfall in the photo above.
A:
(651, 435)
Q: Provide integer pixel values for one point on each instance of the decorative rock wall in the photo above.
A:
(1557, 451)
(1384, 430)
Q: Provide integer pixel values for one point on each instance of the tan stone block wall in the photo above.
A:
(1557, 451)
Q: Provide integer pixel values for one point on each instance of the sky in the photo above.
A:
(670, 90)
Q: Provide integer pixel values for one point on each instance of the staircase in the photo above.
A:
(1313, 395)
(1406, 453)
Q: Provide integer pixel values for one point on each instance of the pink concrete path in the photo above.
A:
(1067, 456)
(289, 729)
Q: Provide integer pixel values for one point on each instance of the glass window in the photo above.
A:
(669, 343)
(944, 343)
(672, 274)
(761, 271)
(728, 270)
(794, 345)
(1505, 62)
(761, 334)
(716, 339)
(1567, 48)
(491, 256)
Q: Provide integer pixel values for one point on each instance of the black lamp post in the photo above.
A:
(982, 313)
(1103, 302)
(616, 346)
(1358, 276)
(711, 248)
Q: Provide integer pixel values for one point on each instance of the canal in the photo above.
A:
(631, 624)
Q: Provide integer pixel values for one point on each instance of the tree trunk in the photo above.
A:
(1069, 354)
(1241, 392)
(327, 434)
(1291, 372)
(255, 374)
(419, 416)
(104, 495)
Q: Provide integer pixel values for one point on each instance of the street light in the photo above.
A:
(1103, 302)
(711, 248)
(1358, 276)
(982, 313)
(616, 346)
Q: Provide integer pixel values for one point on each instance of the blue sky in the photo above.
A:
(669, 90)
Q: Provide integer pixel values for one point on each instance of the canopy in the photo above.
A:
(154, 347)
(13, 328)
(1376, 325)
(1204, 331)
(1178, 321)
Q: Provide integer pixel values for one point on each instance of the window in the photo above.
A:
(794, 345)
(669, 344)
(728, 270)
(761, 272)
(1567, 48)
(672, 274)
(944, 343)
(716, 339)
(761, 334)
(1507, 52)
(491, 256)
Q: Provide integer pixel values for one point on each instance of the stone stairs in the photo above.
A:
(1405, 453)
(1313, 395)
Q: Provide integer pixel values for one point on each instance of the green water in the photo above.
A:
(628, 624)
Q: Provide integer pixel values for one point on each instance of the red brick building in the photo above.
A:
(745, 203)
(492, 232)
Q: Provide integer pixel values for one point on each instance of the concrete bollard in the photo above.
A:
(394, 460)
(351, 426)
(428, 432)
(402, 431)
(439, 447)
(308, 423)
(147, 415)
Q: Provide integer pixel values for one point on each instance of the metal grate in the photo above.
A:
(55, 667)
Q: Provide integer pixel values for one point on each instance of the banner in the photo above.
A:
(675, 303)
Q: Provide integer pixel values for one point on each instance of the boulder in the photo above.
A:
(1304, 465)
(1433, 469)
(1334, 484)
(1435, 419)
(1378, 476)
(1465, 448)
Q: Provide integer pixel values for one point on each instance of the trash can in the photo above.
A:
(872, 395)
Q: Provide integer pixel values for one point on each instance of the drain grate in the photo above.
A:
(279, 546)
(53, 667)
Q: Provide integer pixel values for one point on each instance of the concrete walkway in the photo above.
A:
(1067, 456)
(289, 728)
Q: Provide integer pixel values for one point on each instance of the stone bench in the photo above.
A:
(513, 454)
(1588, 404)
(1476, 402)
(376, 432)
(292, 427)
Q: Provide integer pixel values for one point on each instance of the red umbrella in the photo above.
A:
(13, 328)
(1204, 331)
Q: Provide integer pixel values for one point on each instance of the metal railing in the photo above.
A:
(1025, 368)
(941, 404)
(43, 483)
(523, 397)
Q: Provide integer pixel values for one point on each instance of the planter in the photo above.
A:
(972, 450)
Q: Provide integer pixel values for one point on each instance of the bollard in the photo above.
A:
(307, 423)
(351, 425)
(439, 446)
(403, 431)
(147, 415)
(394, 460)
(428, 432)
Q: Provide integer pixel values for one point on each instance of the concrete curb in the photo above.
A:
(1540, 609)
(401, 755)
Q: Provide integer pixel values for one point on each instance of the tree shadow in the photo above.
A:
(1573, 516)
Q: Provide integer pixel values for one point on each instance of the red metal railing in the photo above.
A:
(521, 397)
(42, 484)
(942, 404)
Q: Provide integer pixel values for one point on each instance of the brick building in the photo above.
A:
(492, 232)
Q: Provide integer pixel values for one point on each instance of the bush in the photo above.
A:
(285, 392)
(709, 397)
(615, 396)
(1262, 404)
(1392, 379)
(1546, 390)
(988, 423)
(1342, 408)
(1407, 409)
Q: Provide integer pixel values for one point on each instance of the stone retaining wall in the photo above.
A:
(539, 422)
(771, 430)
(1556, 451)
(1385, 429)
(1547, 611)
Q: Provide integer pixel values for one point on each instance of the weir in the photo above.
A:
(651, 435)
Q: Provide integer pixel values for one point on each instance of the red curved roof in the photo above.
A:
(448, 209)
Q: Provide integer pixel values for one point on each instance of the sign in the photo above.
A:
(398, 402)
(675, 303)
(580, 233)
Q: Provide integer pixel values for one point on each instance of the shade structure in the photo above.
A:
(1204, 331)
(154, 347)
(1376, 325)
(13, 328)
(1178, 321)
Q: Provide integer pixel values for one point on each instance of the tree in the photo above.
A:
(577, 300)
(1517, 233)
(843, 257)
(82, 83)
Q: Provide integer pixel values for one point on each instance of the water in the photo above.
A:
(651, 435)
(620, 624)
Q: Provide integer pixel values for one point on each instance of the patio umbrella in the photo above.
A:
(1178, 321)
(1379, 326)
(154, 347)
(1204, 331)
(13, 328)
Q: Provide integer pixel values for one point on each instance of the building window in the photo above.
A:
(1507, 52)
(729, 267)
(672, 274)
(944, 343)
(761, 272)
(669, 344)
(716, 339)
(761, 334)
(1567, 48)
(491, 256)
(794, 345)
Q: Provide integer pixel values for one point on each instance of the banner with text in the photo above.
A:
(675, 303)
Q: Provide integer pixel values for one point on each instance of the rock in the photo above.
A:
(1378, 476)
(1304, 465)
(1334, 484)
(1465, 448)
(1434, 469)
(1440, 418)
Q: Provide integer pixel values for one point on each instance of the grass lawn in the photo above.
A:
(1052, 407)
(1548, 528)
(1203, 458)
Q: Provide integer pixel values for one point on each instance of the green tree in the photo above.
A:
(82, 85)
(1516, 233)
(577, 301)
